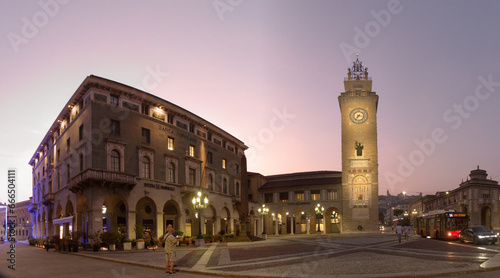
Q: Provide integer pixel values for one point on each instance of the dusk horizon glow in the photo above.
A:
(270, 73)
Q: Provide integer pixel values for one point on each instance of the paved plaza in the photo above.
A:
(355, 255)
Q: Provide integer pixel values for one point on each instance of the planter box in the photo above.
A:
(140, 245)
(127, 246)
(112, 247)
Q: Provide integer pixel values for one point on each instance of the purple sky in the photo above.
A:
(240, 64)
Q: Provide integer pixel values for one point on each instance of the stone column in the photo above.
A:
(95, 220)
(231, 225)
(159, 225)
(217, 227)
(131, 221)
(35, 228)
(292, 223)
(182, 223)
(308, 223)
(277, 224)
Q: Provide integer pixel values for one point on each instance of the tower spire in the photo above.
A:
(357, 72)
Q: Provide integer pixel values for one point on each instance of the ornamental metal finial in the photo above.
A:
(357, 71)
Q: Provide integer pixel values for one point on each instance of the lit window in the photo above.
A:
(191, 151)
(223, 163)
(332, 195)
(299, 196)
(315, 195)
(170, 143)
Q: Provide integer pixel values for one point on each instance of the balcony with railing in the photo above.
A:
(102, 177)
(236, 199)
(48, 199)
(485, 201)
(32, 207)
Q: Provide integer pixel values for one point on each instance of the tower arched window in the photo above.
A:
(146, 167)
(115, 161)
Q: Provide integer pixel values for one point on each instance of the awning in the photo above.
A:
(63, 220)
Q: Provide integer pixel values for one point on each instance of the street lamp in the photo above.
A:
(263, 211)
(200, 203)
(319, 211)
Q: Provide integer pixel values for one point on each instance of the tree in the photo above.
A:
(398, 212)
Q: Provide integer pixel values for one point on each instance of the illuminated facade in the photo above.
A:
(348, 200)
(479, 196)
(358, 107)
(292, 199)
(22, 220)
(117, 157)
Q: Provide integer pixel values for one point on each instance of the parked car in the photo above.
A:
(478, 235)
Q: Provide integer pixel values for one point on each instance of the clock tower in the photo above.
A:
(358, 108)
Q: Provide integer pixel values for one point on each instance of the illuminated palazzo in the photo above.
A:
(117, 157)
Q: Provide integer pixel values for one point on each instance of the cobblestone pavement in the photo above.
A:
(346, 255)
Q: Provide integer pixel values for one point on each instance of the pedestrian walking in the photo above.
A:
(407, 232)
(47, 244)
(399, 230)
(170, 243)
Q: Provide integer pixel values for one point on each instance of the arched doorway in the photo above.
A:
(224, 221)
(145, 216)
(171, 216)
(486, 217)
(332, 220)
(114, 215)
(209, 217)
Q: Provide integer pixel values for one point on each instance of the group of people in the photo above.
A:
(402, 229)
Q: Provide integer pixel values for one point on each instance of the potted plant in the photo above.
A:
(139, 231)
(140, 243)
(96, 246)
(127, 244)
(96, 240)
(75, 240)
(217, 237)
(208, 238)
(110, 239)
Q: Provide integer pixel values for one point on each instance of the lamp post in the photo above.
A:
(263, 211)
(199, 204)
(319, 211)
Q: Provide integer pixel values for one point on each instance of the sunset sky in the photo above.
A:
(243, 64)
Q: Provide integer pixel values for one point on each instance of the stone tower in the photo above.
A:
(358, 107)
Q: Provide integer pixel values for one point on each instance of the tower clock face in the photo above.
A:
(358, 115)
